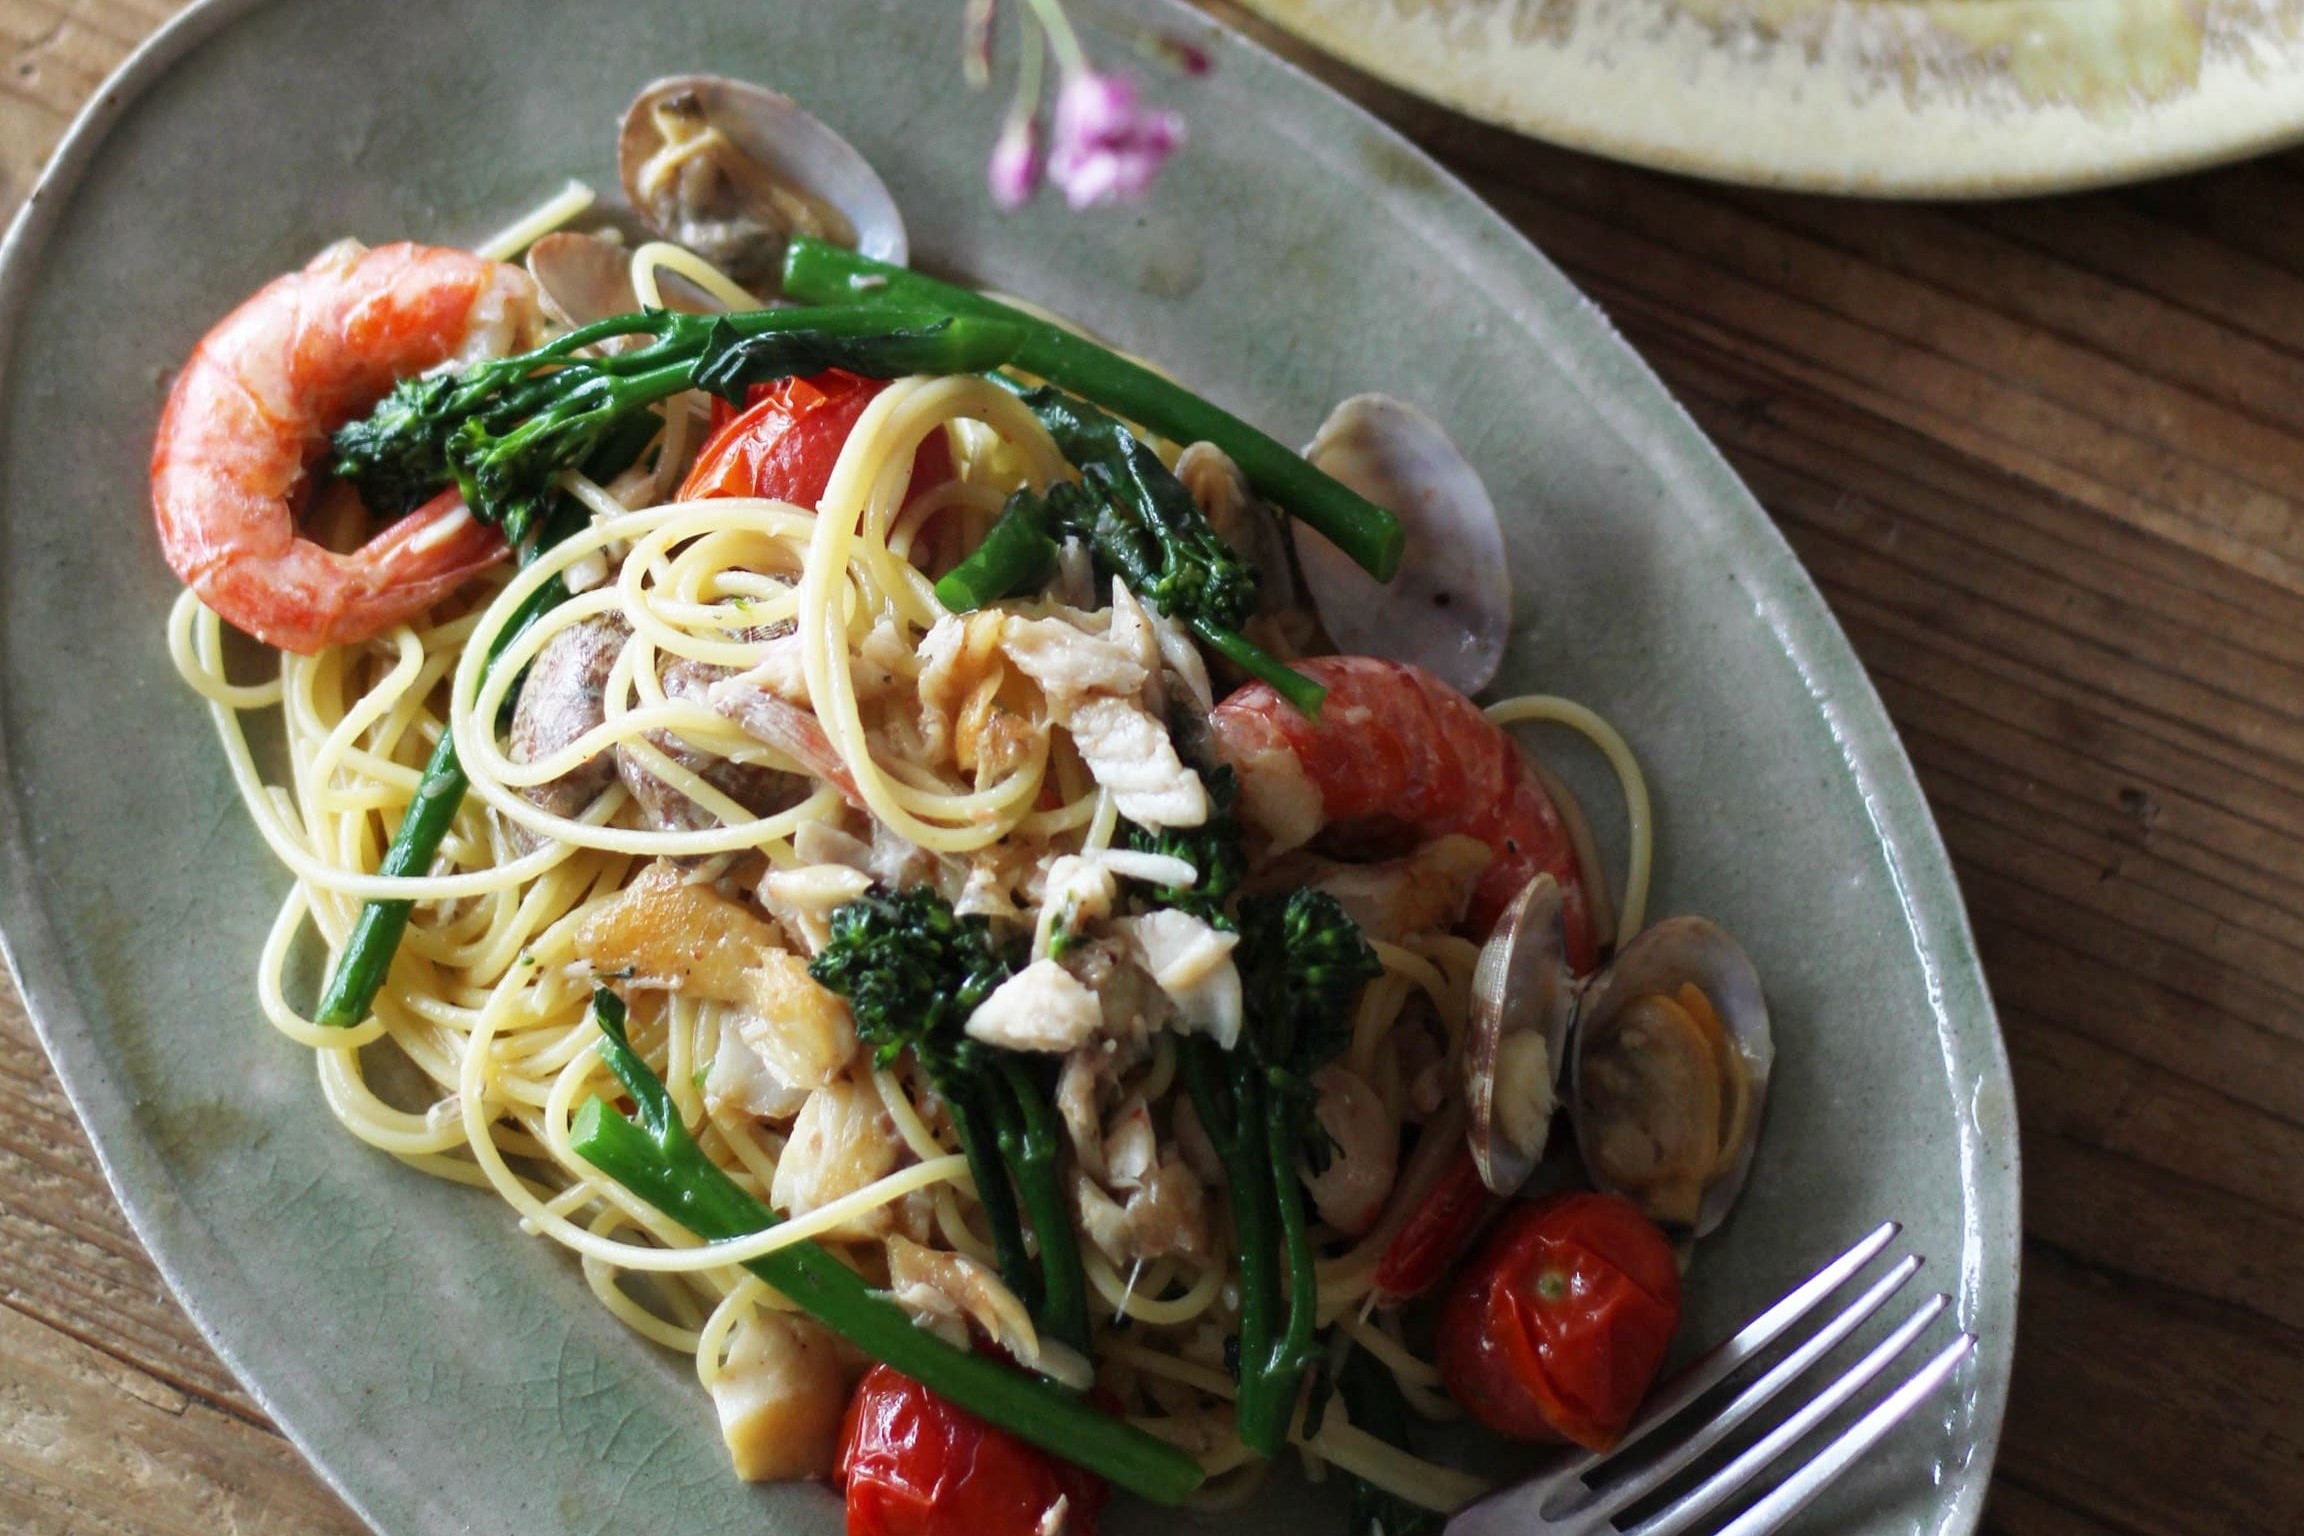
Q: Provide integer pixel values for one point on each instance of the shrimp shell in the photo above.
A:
(251, 414)
(1395, 742)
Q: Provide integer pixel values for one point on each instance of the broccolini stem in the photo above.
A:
(1028, 1139)
(1283, 1132)
(817, 272)
(978, 1137)
(1016, 555)
(654, 1157)
(376, 933)
(880, 340)
(1251, 658)
(1208, 1072)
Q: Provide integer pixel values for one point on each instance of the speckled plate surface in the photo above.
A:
(1899, 98)
(450, 1375)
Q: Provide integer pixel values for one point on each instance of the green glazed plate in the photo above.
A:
(448, 1374)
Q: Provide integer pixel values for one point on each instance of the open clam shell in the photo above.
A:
(1667, 1088)
(584, 278)
(1449, 607)
(733, 171)
(1516, 1037)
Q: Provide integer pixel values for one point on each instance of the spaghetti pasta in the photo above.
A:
(700, 737)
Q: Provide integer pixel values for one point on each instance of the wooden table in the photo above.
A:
(2047, 461)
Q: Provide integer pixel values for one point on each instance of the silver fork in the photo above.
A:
(1568, 1501)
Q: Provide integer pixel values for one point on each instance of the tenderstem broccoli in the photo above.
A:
(816, 272)
(1141, 524)
(912, 972)
(1302, 963)
(502, 431)
(653, 1155)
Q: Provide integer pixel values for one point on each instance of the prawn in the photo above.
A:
(1395, 742)
(251, 414)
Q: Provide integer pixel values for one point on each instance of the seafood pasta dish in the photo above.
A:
(964, 882)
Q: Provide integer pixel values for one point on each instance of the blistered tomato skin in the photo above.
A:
(785, 442)
(1442, 1227)
(914, 1465)
(1557, 1328)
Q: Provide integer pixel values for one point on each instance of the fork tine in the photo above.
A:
(1713, 1430)
(1708, 1370)
(1707, 1495)
(1792, 1495)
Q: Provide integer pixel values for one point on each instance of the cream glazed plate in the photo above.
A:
(447, 1373)
(1897, 98)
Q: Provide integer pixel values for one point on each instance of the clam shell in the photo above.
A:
(1672, 953)
(1521, 993)
(1449, 608)
(583, 278)
(779, 144)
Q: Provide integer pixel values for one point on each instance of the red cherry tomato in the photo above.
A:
(914, 1465)
(1557, 1328)
(788, 437)
(1437, 1234)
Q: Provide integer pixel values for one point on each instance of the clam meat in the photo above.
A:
(735, 171)
(1667, 1050)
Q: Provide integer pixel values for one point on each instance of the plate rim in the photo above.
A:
(1969, 1036)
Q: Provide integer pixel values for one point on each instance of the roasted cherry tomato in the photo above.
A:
(1558, 1326)
(786, 440)
(914, 1465)
(1437, 1233)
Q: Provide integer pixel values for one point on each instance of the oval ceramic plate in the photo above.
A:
(449, 1374)
(1900, 98)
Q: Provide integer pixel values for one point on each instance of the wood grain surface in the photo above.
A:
(2047, 461)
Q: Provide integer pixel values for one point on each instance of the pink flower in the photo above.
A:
(1107, 145)
(1015, 169)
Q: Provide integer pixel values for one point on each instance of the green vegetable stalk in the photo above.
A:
(504, 430)
(652, 1154)
(1140, 522)
(1373, 1402)
(913, 971)
(819, 273)
(1302, 962)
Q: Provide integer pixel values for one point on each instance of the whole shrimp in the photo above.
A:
(252, 412)
(1395, 742)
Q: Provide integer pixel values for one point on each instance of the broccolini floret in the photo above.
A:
(1213, 849)
(1141, 524)
(913, 971)
(1302, 963)
(503, 431)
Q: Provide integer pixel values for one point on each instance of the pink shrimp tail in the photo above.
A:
(251, 413)
(1395, 742)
